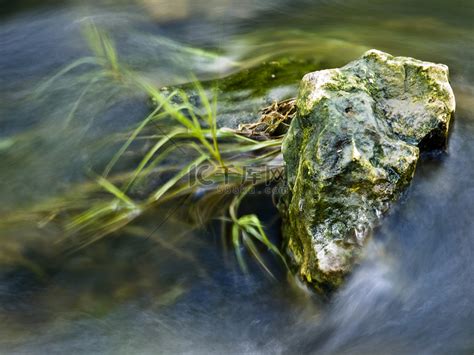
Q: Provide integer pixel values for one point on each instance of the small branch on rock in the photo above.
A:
(274, 122)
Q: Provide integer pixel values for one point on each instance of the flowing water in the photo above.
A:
(159, 288)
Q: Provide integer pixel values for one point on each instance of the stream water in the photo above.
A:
(159, 288)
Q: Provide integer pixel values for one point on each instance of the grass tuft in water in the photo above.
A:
(182, 152)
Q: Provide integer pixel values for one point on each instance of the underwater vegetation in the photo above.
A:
(176, 155)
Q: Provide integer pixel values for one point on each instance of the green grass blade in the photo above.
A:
(79, 99)
(133, 136)
(170, 183)
(149, 155)
(114, 190)
(43, 87)
(253, 249)
(237, 250)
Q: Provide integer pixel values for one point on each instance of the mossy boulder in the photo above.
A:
(351, 150)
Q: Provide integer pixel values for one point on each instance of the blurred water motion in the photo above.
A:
(171, 290)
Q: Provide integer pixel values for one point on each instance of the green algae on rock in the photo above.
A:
(351, 150)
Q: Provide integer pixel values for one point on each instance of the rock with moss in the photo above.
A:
(351, 150)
